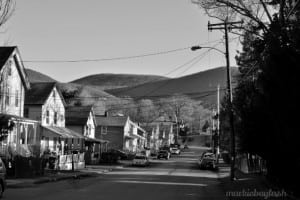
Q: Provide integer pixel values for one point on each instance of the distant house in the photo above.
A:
(161, 133)
(44, 103)
(82, 120)
(23, 139)
(121, 132)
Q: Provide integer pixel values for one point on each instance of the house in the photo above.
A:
(161, 133)
(82, 120)
(23, 139)
(44, 103)
(121, 132)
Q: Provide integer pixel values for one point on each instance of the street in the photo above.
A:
(177, 178)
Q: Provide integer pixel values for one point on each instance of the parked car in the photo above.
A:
(208, 161)
(163, 154)
(2, 177)
(122, 154)
(175, 145)
(140, 160)
(166, 148)
(175, 150)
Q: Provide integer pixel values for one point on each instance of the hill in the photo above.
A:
(112, 81)
(86, 95)
(35, 76)
(81, 94)
(202, 86)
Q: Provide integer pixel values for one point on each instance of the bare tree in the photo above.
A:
(256, 13)
(7, 8)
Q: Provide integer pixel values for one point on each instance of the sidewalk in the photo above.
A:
(51, 177)
(250, 186)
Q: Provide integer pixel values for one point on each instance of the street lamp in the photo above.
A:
(232, 134)
(195, 48)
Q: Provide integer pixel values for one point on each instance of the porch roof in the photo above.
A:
(95, 140)
(63, 132)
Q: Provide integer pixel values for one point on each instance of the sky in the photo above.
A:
(70, 39)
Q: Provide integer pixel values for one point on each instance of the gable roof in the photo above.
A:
(39, 93)
(77, 115)
(119, 121)
(5, 54)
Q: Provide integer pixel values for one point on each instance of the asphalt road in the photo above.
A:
(177, 178)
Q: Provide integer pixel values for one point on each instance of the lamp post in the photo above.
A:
(176, 138)
(232, 134)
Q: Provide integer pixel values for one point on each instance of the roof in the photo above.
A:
(39, 93)
(15, 118)
(63, 132)
(5, 54)
(111, 121)
(95, 140)
(77, 115)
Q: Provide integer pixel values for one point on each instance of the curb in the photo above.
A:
(52, 179)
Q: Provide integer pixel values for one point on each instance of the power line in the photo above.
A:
(115, 58)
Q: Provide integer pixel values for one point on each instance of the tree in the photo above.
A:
(146, 111)
(265, 96)
(178, 107)
(255, 13)
(6, 10)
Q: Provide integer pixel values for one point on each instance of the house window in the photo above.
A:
(17, 98)
(30, 138)
(7, 96)
(46, 142)
(26, 112)
(9, 68)
(62, 117)
(47, 117)
(22, 134)
(104, 130)
(54, 96)
(87, 130)
(55, 117)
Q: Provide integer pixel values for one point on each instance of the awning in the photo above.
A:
(95, 140)
(133, 136)
(61, 132)
(129, 137)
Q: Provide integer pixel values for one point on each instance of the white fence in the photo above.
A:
(65, 162)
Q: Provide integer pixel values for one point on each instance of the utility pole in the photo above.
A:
(228, 26)
(199, 124)
(218, 122)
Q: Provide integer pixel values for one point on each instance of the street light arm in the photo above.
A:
(195, 48)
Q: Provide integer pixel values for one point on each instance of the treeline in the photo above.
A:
(266, 99)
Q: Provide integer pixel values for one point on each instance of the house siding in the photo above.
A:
(115, 136)
(12, 89)
(90, 124)
(53, 104)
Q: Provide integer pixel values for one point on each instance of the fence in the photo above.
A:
(65, 162)
(248, 163)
